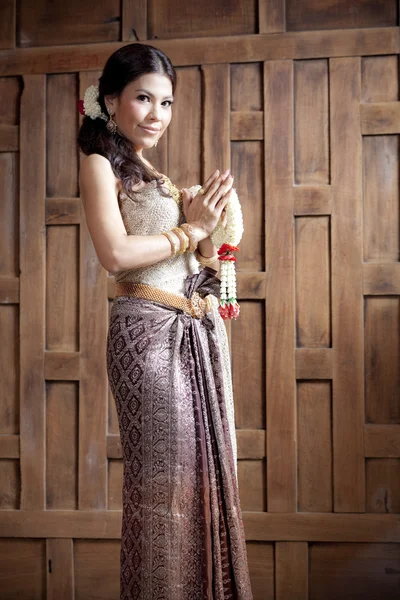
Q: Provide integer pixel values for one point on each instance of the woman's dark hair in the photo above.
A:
(122, 67)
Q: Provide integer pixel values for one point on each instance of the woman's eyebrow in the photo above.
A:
(150, 94)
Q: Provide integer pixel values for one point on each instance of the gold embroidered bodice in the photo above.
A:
(148, 212)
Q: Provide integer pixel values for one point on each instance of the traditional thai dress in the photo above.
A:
(182, 534)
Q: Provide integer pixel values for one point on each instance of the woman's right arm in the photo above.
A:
(115, 249)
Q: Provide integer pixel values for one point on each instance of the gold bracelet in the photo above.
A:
(206, 260)
(184, 239)
(172, 241)
(192, 235)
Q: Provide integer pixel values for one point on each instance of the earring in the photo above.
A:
(111, 124)
(156, 143)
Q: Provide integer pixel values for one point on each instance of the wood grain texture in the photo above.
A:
(211, 50)
(32, 292)
(311, 122)
(60, 579)
(280, 313)
(314, 430)
(46, 23)
(313, 277)
(347, 301)
(379, 118)
(291, 568)
(92, 483)
(335, 14)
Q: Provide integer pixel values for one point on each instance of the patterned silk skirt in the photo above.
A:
(182, 533)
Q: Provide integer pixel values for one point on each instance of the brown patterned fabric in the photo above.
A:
(182, 534)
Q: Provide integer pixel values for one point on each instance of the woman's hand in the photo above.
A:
(204, 210)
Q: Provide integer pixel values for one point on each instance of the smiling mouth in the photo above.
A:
(149, 129)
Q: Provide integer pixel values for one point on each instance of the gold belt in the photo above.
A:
(196, 306)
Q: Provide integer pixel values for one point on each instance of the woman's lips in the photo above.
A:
(152, 131)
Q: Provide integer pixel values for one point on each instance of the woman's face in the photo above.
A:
(145, 102)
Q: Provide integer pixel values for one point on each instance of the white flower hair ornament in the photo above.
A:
(90, 106)
(226, 240)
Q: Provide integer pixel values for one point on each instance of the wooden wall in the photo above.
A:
(301, 100)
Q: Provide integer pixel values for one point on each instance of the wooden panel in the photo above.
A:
(60, 572)
(247, 167)
(280, 322)
(63, 211)
(248, 351)
(250, 443)
(314, 418)
(9, 369)
(7, 23)
(115, 484)
(10, 491)
(311, 132)
(10, 97)
(259, 526)
(47, 23)
(61, 445)
(382, 441)
(62, 288)
(93, 381)
(271, 16)
(291, 570)
(335, 14)
(207, 51)
(314, 363)
(200, 19)
(246, 87)
(251, 477)
(312, 200)
(347, 307)
(313, 302)
(183, 152)
(261, 566)
(9, 138)
(381, 198)
(380, 118)
(32, 292)
(382, 359)
(336, 569)
(22, 569)
(62, 365)
(247, 125)
(96, 569)
(383, 485)
(134, 20)
(381, 279)
(62, 122)
(9, 215)
(379, 78)
(9, 446)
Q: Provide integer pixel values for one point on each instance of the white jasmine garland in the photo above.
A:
(91, 104)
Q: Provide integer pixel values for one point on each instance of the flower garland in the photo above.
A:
(90, 106)
(226, 240)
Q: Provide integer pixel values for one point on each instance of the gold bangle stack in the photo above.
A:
(184, 239)
(206, 260)
(190, 232)
(172, 241)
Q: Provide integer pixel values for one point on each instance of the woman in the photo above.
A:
(167, 353)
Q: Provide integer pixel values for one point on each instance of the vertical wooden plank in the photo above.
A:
(32, 292)
(60, 569)
(271, 16)
(314, 426)
(8, 17)
(93, 382)
(134, 20)
(291, 564)
(347, 298)
(216, 126)
(280, 315)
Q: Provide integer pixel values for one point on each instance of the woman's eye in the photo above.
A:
(144, 96)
